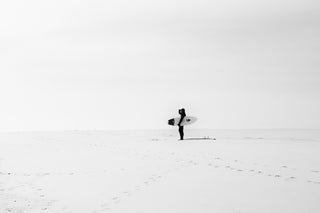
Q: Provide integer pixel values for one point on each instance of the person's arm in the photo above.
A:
(181, 119)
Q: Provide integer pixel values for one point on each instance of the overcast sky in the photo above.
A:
(99, 64)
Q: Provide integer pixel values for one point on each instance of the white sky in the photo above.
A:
(99, 64)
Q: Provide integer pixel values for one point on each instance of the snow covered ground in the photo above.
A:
(242, 171)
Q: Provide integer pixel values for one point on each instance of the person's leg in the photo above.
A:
(181, 132)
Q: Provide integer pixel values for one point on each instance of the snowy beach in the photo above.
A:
(242, 171)
(76, 77)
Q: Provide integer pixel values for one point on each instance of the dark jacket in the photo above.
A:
(182, 113)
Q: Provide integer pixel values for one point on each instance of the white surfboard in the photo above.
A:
(186, 121)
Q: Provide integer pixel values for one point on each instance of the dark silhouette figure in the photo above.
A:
(182, 113)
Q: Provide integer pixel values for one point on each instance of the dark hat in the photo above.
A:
(181, 110)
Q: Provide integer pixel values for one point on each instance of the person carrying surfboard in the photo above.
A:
(182, 113)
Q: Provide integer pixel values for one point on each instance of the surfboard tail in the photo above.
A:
(171, 122)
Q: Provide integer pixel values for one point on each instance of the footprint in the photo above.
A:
(137, 188)
(116, 199)
(152, 179)
(314, 182)
(290, 178)
(105, 207)
(127, 193)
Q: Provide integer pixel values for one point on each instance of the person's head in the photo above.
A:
(182, 111)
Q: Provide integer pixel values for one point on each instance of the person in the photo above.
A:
(182, 113)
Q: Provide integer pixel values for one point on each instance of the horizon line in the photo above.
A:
(163, 129)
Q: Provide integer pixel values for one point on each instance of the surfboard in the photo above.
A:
(186, 121)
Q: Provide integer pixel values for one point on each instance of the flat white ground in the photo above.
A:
(246, 171)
